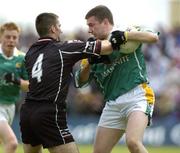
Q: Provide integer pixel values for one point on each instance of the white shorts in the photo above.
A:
(7, 113)
(116, 112)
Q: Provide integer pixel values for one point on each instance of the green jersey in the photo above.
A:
(9, 93)
(125, 72)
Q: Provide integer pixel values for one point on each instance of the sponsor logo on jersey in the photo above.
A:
(18, 65)
(119, 60)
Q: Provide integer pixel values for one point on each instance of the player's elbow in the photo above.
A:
(153, 38)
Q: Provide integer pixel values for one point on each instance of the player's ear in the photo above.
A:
(106, 21)
(52, 29)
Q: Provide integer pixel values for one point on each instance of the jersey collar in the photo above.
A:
(45, 39)
(8, 58)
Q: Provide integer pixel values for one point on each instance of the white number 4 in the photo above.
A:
(37, 68)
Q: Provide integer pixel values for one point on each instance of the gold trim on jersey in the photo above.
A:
(149, 94)
(18, 65)
(84, 62)
(17, 53)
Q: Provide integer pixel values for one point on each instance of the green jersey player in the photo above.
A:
(13, 77)
(124, 84)
(11, 68)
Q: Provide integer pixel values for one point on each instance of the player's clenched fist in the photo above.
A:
(117, 38)
(10, 78)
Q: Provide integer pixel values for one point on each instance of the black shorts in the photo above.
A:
(44, 124)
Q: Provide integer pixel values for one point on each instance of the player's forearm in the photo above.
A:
(84, 73)
(106, 47)
(145, 37)
(24, 85)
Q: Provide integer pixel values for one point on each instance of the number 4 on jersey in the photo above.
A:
(37, 68)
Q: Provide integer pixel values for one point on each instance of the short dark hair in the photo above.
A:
(43, 23)
(100, 12)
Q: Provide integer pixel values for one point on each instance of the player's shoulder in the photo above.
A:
(69, 45)
(74, 41)
(141, 28)
(18, 52)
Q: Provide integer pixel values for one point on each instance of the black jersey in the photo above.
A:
(49, 64)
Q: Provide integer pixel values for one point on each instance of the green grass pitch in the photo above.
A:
(123, 149)
(117, 149)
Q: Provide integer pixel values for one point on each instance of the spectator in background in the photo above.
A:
(89, 100)
(13, 77)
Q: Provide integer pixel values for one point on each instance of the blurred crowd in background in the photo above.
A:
(163, 65)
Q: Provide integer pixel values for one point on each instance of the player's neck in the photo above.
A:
(7, 53)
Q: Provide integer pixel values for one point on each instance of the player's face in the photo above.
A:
(58, 30)
(9, 40)
(96, 28)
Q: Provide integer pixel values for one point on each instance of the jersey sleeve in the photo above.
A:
(78, 84)
(77, 81)
(81, 49)
(23, 72)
